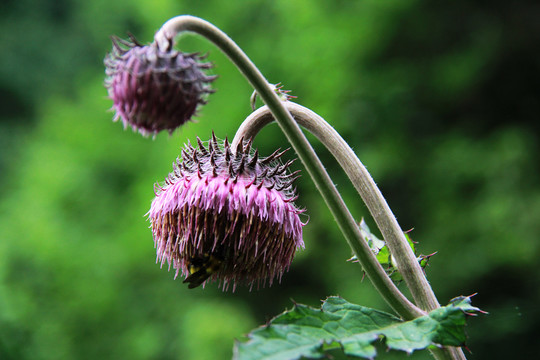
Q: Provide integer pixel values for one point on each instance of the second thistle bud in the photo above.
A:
(154, 89)
(227, 215)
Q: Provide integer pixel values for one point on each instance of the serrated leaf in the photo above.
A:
(381, 251)
(308, 332)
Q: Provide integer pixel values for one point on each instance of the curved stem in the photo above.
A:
(363, 182)
(302, 147)
(368, 190)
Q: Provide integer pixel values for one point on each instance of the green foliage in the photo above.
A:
(382, 252)
(439, 100)
(308, 332)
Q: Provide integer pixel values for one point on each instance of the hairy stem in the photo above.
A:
(366, 187)
(363, 182)
(304, 150)
(308, 157)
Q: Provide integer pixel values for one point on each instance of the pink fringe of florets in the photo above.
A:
(234, 206)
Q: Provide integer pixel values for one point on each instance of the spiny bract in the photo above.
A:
(153, 89)
(230, 207)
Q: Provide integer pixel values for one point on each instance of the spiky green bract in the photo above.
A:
(380, 249)
(230, 206)
(153, 89)
(306, 332)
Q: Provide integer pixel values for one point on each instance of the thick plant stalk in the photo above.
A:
(304, 151)
(364, 184)
(302, 147)
(362, 181)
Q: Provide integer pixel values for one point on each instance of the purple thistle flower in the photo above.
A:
(154, 89)
(227, 216)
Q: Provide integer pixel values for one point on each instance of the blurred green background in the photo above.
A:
(439, 99)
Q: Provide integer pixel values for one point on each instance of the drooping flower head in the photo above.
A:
(154, 89)
(227, 216)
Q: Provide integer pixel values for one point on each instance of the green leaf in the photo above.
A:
(383, 255)
(375, 244)
(308, 332)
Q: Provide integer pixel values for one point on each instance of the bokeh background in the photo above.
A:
(439, 99)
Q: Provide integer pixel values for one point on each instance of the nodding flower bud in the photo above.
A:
(153, 89)
(227, 215)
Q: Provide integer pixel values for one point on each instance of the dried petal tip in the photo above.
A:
(226, 218)
(153, 89)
